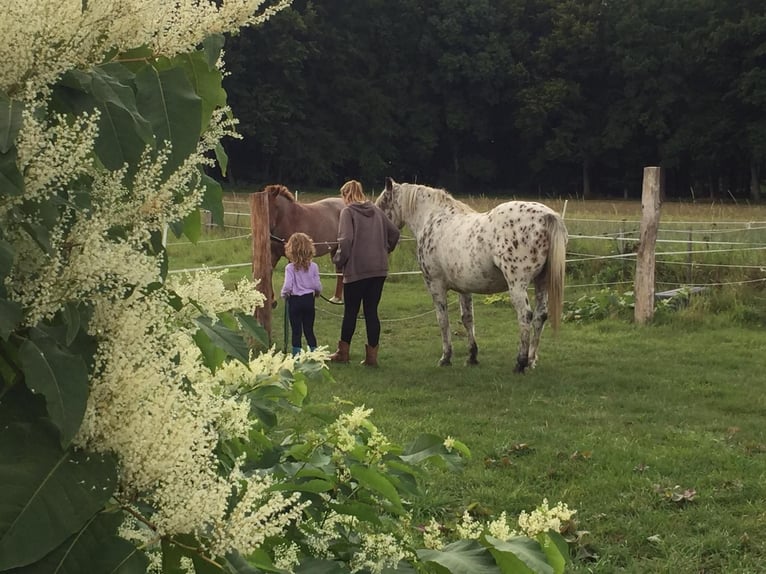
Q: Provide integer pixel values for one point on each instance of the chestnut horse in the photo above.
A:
(318, 220)
(506, 248)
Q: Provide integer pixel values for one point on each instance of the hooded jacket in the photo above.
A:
(365, 238)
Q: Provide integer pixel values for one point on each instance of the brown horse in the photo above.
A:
(318, 220)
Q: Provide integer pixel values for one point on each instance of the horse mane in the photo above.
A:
(412, 192)
(278, 189)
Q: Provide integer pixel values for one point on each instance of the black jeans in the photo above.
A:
(302, 312)
(365, 293)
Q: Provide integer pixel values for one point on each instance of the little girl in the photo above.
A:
(301, 286)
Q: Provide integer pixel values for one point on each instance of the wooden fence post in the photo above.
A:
(650, 220)
(259, 225)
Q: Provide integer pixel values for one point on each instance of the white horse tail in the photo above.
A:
(557, 254)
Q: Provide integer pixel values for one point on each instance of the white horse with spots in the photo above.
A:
(462, 250)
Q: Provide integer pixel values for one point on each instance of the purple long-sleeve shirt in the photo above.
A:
(301, 281)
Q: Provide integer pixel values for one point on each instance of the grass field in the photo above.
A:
(654, 434)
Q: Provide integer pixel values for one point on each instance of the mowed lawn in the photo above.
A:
(655, 434)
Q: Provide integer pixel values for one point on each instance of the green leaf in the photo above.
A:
(363, 512)
(193, 226)
(319, 566)
(123, 132)
(212, 200)
(374, 480)
(308, 486)
(520, 554)
(167, 100)
(206, 82)
(253, 328)
(10, 317)
(61, 377)
(424, 447)
(213, 356)
(222, 158)
(48, 493)
(462, 557)
(95, 548)
(256, 563)
(556, 550)
(10, 122)
(11, 180)
(227, 339)
(212, 45)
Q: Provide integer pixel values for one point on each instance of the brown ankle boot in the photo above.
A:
(341, 355)
(370, 356)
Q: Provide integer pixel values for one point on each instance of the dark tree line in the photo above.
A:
(555, 97)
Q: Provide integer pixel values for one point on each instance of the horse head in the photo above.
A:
(276, 194)
(390, 202)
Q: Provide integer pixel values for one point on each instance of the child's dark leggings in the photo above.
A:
(302, 312)
(365, 293)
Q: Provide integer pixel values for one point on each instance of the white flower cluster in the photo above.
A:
(541, 519)
(44, 38)
(162, 412)
(377, 552)
(544, 518)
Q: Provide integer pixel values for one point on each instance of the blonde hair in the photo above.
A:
(300, 250)
(352, 192)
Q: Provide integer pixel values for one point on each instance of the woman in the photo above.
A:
(365, 238)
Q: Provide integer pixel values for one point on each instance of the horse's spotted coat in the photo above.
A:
(461, 250)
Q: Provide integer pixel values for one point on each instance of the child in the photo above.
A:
(301, 286)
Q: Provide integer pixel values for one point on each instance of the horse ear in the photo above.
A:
(389, 184)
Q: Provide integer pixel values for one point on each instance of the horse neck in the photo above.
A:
(421, 203)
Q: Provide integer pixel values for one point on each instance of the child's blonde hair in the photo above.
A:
(300, 250)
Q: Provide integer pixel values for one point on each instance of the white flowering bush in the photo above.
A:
(140, 423)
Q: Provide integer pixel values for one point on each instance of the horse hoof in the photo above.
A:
(472, 361)
(274, 304)
(520, 369)
(445, 363)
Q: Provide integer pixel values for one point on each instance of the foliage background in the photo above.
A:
(549, 97)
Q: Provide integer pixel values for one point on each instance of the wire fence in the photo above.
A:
(712, 253)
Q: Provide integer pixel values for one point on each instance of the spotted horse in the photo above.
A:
(460, 249)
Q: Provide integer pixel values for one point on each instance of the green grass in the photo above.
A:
(613, 416)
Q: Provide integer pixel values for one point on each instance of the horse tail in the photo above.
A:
(557, 237)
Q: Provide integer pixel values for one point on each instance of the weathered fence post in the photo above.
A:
(650, 220)
(259, 225)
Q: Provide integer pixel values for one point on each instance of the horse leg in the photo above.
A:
(538, 318)
(439, 297)
(518, 295)
(466, 316)
(338, 296)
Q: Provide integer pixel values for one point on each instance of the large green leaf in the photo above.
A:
(47, 493)
(10, 121)
(519, 555)
(10, 317)
(193, 226)
(212, 200)
(423, 447)
(206, 82)
(223, 337)
(166, 98)
(123, 132)
(462, 557)
(11, 180)
(374, 480)
(61, 377)
(96, 548)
